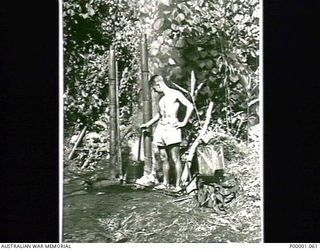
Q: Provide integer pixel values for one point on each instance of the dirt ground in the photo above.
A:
(106, 212)
(98, 210)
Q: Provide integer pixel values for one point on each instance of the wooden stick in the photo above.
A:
(86, 162)
(180, 88)
(192, 93)
(182, 199)
(77, 142)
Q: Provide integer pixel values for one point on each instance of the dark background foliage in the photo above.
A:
(218, 41)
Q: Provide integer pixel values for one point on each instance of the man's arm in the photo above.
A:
(189, 106)
(152, 121)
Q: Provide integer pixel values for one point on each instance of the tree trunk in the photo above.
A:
(113, 114)
(147, 105)
(118, 149)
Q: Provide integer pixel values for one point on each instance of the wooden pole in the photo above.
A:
(147, 105)
(77, 142)
(119, 157)
(113, 113)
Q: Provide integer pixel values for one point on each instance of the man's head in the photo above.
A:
(157, 83)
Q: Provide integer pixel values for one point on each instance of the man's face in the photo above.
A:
(158, 83)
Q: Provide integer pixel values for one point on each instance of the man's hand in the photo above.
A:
(151, 122)
(144, 126)
(179, 124)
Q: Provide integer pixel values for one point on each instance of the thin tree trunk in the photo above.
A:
(119, 165)
(147, 105)
(248, 108)
(225, 82)
(113, 113)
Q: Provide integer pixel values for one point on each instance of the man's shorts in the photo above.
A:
(166, 134)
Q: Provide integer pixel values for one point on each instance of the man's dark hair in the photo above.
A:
(152, 79)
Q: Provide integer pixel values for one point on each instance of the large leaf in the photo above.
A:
(171, 61)
(233, 78)
(244, 82)
(232, 56)
(209, 64)
(252, 102)
(154, 51)
(156, 44)
(180, 43)
(202, 64)
(186, 10)
(213, 30)
(203, 53)
(164, 49)
(174, 27)
(214, 71)
(213, 52)
(158, 23)
(180, 17)
(90, 10)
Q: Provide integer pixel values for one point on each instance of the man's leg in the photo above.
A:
(163, 157)
(175, 154)
(156, 164)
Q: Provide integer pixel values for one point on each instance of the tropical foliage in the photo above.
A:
(207, 49)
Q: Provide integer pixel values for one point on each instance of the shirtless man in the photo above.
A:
(167, 135)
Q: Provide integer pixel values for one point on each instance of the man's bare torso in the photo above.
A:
(169, 105)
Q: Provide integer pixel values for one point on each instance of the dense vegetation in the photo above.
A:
(216, 39)
(216, 42)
